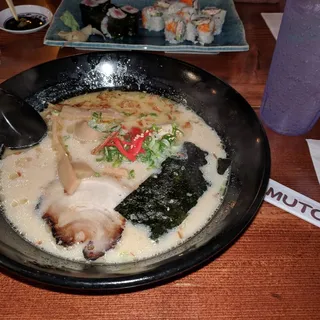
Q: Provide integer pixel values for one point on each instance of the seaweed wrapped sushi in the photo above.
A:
(132, 19)
(114, 24)
(93, 11)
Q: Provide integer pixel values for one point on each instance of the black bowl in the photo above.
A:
(217, 103)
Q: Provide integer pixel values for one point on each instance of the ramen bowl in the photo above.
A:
(219, 105)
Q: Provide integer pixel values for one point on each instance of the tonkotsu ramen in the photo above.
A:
(121, 176)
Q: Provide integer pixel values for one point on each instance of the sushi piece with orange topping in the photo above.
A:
(174, 8)
(218, 16)
(187, 13)
(163, 4)
(205, 28)
(152, 18)
(191, 3)
(175, 29)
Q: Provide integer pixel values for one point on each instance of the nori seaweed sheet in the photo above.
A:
(132, 20)
(117, 28)
(223, 165)
(94, 15)
(162, 201)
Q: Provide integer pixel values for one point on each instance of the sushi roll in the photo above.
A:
(175, 29)
(218, 16)
(104, 27)
(116, 23)
(187, 13)
(163, 4)
(205, 29)
(191, 3)
(152, 19)
(191, 32)
(132, 19)
(93, 12)
(175, 7)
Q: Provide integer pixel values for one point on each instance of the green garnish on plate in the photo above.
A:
(68, 19)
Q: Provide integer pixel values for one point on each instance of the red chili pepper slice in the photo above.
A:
(123, 151)
(137, 139)
(135, 131)
(138, 142)
(104, 143)
(135, 149)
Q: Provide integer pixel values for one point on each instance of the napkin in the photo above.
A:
(293, 202)
(314, 148)
(273, 21)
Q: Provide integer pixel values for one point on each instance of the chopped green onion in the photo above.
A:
(115, 128)
(97, 174)
(222, 190)
(127, 114)
(155, 128)
(131, 174)
(142, 95)
(156, 149)
(96, 116)
(117, 163)
(153, 114)
(112, 154)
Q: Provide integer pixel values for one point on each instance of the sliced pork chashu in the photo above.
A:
(87, 216)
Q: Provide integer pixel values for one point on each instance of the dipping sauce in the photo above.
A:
(24, 23)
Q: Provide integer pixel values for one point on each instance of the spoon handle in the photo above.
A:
(12, 9)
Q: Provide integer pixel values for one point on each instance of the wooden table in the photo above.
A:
(272, 272)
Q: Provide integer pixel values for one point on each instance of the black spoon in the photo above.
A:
(21, 126)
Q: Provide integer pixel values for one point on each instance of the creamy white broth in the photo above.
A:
(24, 177)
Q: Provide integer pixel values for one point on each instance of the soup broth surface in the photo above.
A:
(32, 184)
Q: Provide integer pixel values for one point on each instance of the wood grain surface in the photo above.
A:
(271, 272)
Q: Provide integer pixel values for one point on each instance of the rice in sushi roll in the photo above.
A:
(175, 7)
(205, 28)
(152, 19)
(191, 32)
(187, 13)
(163, 4)
(93, 11)
(132, 19)
(104, 27)
(218, 16)
(114, 25)
(191, 3)
(175, 29)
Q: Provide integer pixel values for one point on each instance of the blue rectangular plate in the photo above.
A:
(232, 37)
